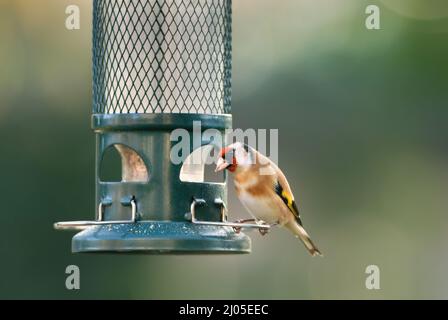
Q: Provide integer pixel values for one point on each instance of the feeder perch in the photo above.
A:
(159, 65)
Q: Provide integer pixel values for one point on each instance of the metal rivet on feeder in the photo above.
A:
(159, 65)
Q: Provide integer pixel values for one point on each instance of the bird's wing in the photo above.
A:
(288, 200)
(282, 189)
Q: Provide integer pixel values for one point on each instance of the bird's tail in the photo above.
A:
(300, 233)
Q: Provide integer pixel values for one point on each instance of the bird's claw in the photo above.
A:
(265, 231)
(238, 229)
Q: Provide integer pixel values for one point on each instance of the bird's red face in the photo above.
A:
(227, 160)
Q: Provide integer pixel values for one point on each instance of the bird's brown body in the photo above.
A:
(264, 191)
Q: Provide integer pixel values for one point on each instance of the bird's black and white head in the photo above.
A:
(235, 156)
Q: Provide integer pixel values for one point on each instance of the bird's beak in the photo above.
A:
(221, 165)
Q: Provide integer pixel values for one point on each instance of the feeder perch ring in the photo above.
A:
(81, 225)
(191, 216)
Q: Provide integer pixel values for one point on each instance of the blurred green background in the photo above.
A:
(362, 124)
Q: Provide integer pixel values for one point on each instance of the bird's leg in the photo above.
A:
(246, 220)
(263, 231)
(238, 229)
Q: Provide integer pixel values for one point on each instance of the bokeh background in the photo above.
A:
(362, 123)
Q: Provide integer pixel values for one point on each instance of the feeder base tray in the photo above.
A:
(161, 238)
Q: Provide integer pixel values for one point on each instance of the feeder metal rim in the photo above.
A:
(191, 216)
(81, 225)
(234, 225)
(159, 121)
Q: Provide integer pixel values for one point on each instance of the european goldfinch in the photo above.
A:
(263, 190)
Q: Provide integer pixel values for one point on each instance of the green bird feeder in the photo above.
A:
(158, 66)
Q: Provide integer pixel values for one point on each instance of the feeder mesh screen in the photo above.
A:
(162, 56)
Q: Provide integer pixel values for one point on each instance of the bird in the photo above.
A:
(263, 190)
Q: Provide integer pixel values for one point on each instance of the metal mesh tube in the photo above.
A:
(162, 56)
